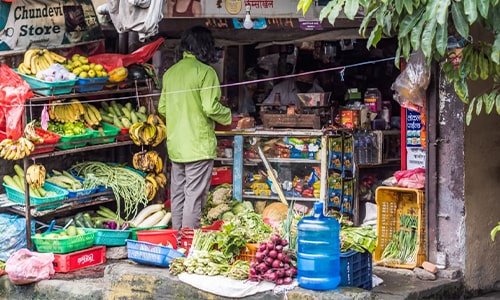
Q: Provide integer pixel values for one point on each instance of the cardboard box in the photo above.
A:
(93, 256)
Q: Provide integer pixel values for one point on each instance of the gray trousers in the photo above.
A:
(189, 187)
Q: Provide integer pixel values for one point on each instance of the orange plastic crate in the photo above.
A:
(392, 202)
(248, 253)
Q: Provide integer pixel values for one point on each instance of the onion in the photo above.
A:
(271, 276)
(280, 256)
(276, 263)
(294, 270)
(284, 242)
(281, 273)
(289, 273)
(265, 252)
(286, 266)
(270, 246)
(278, 248)
(276, 239)
(262, 246)
(273, 253)
(259, 256)
(262, 267)
(252, 271)
(279, 281)
(287, 280)
(286, 259)
(269, 261)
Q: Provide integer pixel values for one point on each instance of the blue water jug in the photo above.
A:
(318, 253)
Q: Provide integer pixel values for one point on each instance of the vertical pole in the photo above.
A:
(238, 167)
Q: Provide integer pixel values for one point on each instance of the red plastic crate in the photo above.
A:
(187, 234)
(221, 175)
(49, 142)
(93, 256)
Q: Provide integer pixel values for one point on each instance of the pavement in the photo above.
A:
(122, 279)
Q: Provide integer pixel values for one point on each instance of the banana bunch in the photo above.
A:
(30, 133)
(64, 112)
(153, 183)
(148, 161)
(36, 60)
(91, 115)
(35, 175)
(152, 132)
(14, 150)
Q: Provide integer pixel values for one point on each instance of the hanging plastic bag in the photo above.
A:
(13, 94)
(13, 234)
(411, 85)
(25, 267)
(112, 61)
(414, 179)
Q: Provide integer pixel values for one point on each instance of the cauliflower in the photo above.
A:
(222, 195)
(214, 213)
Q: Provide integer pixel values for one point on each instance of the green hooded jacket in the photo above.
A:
(190, 103)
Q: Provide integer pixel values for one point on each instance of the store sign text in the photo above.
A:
(23, 13)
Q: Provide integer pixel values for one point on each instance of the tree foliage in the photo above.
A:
(427, 25)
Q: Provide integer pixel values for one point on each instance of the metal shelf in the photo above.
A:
(305, 199)
(85, 148)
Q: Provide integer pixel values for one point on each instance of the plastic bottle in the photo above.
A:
(362, 147)
(318, 253)
(373, 99)
(368, 147)
(374, 148)
(356, 146)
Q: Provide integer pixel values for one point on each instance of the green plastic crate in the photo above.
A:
(18, 196)
(110, 237)
(108, 130)
(63, 244)
(77, 141)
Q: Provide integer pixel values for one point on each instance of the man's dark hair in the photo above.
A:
(199, 41)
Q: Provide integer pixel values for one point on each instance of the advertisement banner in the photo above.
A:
(47, 23)
(413, 129)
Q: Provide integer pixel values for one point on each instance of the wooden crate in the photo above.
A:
(291, 121)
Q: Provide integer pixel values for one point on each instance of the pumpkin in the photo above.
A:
(275, 212)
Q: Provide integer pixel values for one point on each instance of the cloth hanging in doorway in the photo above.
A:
(141, 16)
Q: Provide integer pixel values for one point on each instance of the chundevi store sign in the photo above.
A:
(30, 23)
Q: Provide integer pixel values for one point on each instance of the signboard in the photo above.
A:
(413, 129)
(415, 158)
(236, 8)
(47, 23)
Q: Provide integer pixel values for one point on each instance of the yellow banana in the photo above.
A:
(79, 105)
(46, 55)
(95, 111)
(57, 58)
(42, 61)
(28, 55)
(33, 64)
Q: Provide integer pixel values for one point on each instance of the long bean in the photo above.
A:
(126, 184)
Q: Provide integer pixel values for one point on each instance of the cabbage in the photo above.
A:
(242, 207)
(228, 215)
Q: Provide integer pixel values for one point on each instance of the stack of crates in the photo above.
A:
(392, 202)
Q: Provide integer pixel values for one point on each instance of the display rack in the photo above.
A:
(135, 88)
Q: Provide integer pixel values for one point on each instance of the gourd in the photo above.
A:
(275, 212)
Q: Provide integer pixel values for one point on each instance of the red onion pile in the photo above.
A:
(273, 263)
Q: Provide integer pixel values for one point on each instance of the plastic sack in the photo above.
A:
(112, 61)
(13, 234)
(13, 94)
(414, 179)
(411, 85)
(25, 267)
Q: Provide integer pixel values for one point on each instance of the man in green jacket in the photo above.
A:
(190, 103)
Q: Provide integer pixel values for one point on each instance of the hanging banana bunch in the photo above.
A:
(35, 175)
(148, 161)
(152, 132)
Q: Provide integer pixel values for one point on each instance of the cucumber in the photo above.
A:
(117, 122)
(133, 117)
(41, 191)
(105, 106)
(129, 106)
(87, 221)
(9, 181)
(19, 170)
(126, 122)
(19, 182)
(107, 118)
(142, 116)
(34, 192)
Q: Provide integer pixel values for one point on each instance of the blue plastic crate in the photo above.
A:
(110, 237)
(90, 84)
(151, 254)
(356, 269)
(18, 196)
